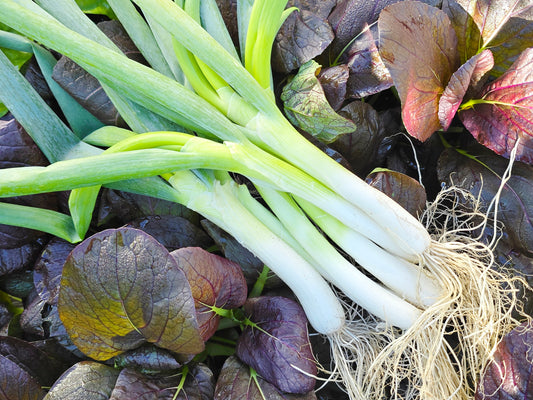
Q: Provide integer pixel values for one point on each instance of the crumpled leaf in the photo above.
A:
(499, 125)
(121, 288)
(468, 78)
(171, 231)
(361, 146)
(506, 27)
(368, 73)
(18, 258)
(510, 374)
(406, 191)
(235, 382)
(215, 281)
(85, 88)
(515, 209)
(306, 106)
(333, 81)
(419, 47)
(16, 383)
(86, 380)
(199, 385)
(251, 266)
(305, 34)
(279, 348)
(147, 359)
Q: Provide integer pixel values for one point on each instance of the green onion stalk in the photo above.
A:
(203, 109)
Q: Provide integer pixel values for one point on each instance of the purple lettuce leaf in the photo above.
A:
(418, 46)
(333, 81)
(305, 34)
(505, 113)
(506, 27)
(236, 382)
(148, 359)
(468, 78)
(510, 375)
(215, 281)
(306, 106)
(278, 348)
(121, 288)
(86, 380)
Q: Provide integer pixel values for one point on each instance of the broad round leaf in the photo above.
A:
(121, 288)
(418, 46)
(278, 349)
(507, 114)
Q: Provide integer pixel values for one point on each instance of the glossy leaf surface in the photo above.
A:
(279, 348)
(418, 46)
(467, 78)
(16, 383)
(148, 359)
(236, 383)
(306, 106)
(215, 281)
(506, 27)
(121, 288)
(506, 113)
(510, 375)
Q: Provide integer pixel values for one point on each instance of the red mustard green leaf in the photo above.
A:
(505, 112)
(215, 281)
(306, 106)
(510, 374)
(278, 348)
(237, 382)
(418, 46)
(199, 385)
(147, 359)
(506, 27)
(121, 288)
(16, 383)
(86, 380)
(467, 78)
(333, 81)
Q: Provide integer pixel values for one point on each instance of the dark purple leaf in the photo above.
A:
(361, 146)
(173, 232)
(215, 281)
(418, 46)
(305, 34)
(278, 349)
(333, 81)
(40, 365)
(467, 78)
(199, 385)
(306, 106)
(129, 206)
(19, 258)
(48, 268)
(251, 265)
(86, 380)
(483, 174)
(16, 383)
(506, 113)
(121, 288)
(235, 382)
(148, 359)
(506, 27)
(402, 188)
(510, 375)
(368, 74)
(5, 316)
(84, 87)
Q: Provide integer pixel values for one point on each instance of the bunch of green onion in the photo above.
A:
(201, 111)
